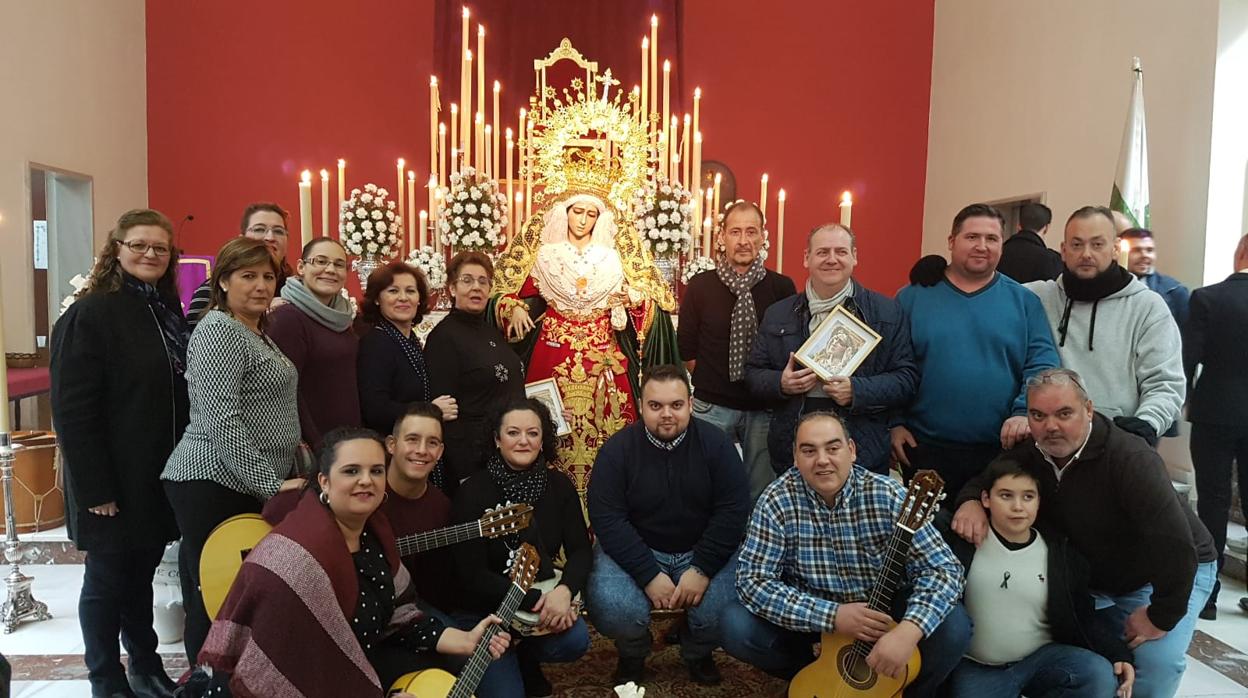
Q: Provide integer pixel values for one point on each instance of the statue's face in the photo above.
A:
(581, 219)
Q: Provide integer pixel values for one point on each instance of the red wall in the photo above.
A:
(824, 96)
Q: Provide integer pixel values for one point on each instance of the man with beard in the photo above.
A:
(1113, 331)
(1152, 561)
(977, 337)
(719, 318)
(886, 380)
(1142, 261)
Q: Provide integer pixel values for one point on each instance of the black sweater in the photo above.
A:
(558, 523)
(469, 360)
(692, 498)
(1118, 508)
(387, 382)
(704, 332)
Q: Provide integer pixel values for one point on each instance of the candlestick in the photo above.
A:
(684, 155)
(437, 234)
(465, 116)
(456, 129)
(398, 189)
(4, 380)
(847, 205)
(441, 168)
(434, 105)
(661, 155)
(510, 182)
(494, 144)
(643, 110)
(305, 207)
(411, 206)
(762, 197)
(324, 203)
(780, 197)
(481, 76)
(424, 228)
(1124, 253)
(478, 143)
(342, 191)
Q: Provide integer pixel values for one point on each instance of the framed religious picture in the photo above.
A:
(838, 346)
(548, 393)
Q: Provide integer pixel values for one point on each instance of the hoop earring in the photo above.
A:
(324, 498)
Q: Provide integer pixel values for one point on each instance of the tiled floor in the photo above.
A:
(38, 650)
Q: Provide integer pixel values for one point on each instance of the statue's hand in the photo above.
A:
(520, 323)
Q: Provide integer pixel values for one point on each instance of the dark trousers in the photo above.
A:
(956, 464)
(200, 506)
(116, 599)
(1214, 448)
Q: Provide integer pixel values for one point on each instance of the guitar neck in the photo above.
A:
(429, 540)
(892, 571)
(475, 668)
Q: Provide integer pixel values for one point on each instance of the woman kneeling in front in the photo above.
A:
(322, 606)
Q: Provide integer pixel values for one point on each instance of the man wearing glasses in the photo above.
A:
(262, 220)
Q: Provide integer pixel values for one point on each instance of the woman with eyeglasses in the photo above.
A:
(313, 329)
(470, 360)
(119, 403)
(264, 221)
(239, 448)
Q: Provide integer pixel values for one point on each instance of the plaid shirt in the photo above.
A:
(802, 559)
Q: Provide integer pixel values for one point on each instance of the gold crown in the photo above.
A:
(587, 170)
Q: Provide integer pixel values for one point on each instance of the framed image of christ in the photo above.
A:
(548, 393)
(838, 346)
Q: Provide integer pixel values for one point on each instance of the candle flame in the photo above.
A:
(687, 120)
(454, 108)
(645, 42)
(401, 162)
(433, 80)
(480, 30)
(465, 12)
(489, 128)
(667, 66)
(306, 176)
(468, 55)
(765, 177)
(324, 175)
(423, 214)
(674, 122)
(497, 86)
(697, 93)
(654, 20)
(433, 180)
(480, 119)
(847, 198)
(519, 196)
(697, 137)
(781, 195)
(718, 176)
(342, 163)
(522, 112)
(411, 175)
(441, 129)
(508, 133)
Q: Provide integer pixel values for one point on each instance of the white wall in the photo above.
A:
(74, 94)
(1228, 159)
(1031, 96)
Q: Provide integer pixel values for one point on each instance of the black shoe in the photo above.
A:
(703, 671)
(535, 683)
(152, 685)
(1209, 612)
(630, 669)
(1243, 604)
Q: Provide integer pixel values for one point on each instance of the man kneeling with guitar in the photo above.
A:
(832, 548)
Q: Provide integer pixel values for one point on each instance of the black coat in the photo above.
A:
(119, 409)
(386, 380)
(1025, 257)
(1214, 337)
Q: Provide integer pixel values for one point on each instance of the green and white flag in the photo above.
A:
(1130, 193)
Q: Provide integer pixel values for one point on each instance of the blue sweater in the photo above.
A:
(694, 497)
(975, 352)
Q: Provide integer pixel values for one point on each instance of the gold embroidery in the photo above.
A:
(586, 380)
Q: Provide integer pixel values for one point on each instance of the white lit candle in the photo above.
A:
(478, 144)
(715, 210)
(654, 63)
(762, 196)
(465, 114)
(510, 184)
(441, 167)
(643, 108)
(519, 215)
(397, 194)
(494, 144)
(424, 228)
(305, 207)
(667, 111)
(780, 197)
(847, 206)
(434, 105)
(456, 129)
(411, 208)
(325, 203)
(465, 83)
(432, 191)
(342, 189)
(708, 221)
(695, 182)
(481, 76)
(490, 157)
(684, 154)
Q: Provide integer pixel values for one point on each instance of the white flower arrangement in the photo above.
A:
(476, 214)
(432, 264)
(663, 218)
(368, 223)
(79, 282)
(694, 266)
(355, 306)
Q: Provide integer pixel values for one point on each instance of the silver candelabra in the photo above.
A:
(19, 604)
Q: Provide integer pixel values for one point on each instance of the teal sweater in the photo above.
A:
(975, 352)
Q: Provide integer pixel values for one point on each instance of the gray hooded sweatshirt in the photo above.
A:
(1126, 347)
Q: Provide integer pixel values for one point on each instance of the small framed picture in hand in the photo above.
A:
(838, 346)
(548, 393)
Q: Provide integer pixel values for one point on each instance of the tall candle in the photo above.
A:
(762, 196)
(673, 157)
(780, 197)
(847, 205)
(684, 155)
(708, 220)
(644, 108)
(432, 192)
(695, 181)
(325, 203)
(342, 190)
(718, 179)
(398, 189)
(519, 218)
(510, 183)
(411, 207)
(528, 181)
(424, 229)
(654, 63)
(490, 156)
(697, 109)
(441, 167)
(305, 207)
(667, 112)
(456, 129)
(481, 73)
(465, 115)
(478, 144)
(434, 105)
(465, 82)
(437, 235)
(637, 104)
(494, 144)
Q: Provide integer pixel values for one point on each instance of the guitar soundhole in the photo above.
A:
(854, 669)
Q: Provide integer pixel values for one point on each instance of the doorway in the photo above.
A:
(63, 241)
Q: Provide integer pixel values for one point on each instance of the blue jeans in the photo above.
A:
(750, 430)
(503, 679)
(782, 652)
(620, 609)
(1051, 671)
(1159, 664)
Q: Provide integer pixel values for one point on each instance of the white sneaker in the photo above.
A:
(1237, 545)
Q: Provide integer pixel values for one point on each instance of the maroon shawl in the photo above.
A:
(285, 629)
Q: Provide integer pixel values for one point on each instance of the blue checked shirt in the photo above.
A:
(802, 559)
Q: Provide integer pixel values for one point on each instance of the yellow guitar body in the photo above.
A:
(430, 683)
(223, 555)
(838, 672)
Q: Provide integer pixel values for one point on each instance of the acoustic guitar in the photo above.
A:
(233, 538)
(435, 683)
(841, 669)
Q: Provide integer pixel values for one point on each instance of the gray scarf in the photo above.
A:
(744, 323)
(336, 316)
(820, 307)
